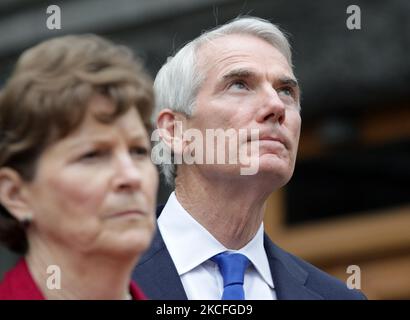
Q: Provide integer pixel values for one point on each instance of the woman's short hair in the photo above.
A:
(47, 97)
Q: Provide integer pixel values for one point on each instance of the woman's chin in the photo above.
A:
(128, 244)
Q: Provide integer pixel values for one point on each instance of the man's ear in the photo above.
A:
(11, 194)
(170, 125)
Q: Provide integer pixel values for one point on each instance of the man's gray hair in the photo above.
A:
(178, 81)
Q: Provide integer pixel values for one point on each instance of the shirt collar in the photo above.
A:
(197, 245)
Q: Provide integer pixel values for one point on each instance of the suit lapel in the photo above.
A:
(288, 277)
(157, 276)
(156, 273)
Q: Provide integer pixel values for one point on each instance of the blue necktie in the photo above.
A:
(232, 267)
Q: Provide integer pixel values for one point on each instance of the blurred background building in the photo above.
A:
(349, 200)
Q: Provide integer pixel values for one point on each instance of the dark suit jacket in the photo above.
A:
(293, 278)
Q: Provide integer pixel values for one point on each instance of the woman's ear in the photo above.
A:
(11, 195)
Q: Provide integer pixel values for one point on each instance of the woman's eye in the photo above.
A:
(140, 151)
(92, 154)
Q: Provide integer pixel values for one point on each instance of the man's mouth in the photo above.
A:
(266, 138)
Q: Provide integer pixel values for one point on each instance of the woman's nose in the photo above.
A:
(127, 175)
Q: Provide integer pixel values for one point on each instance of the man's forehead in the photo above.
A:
(237, 43)
(230, 50)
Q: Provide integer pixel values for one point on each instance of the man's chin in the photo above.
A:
(273, 167)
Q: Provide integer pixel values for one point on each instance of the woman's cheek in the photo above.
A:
(79, 190)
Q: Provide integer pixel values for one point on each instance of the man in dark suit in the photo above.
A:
(236, 80)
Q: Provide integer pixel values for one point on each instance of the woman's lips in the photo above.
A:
(126, 213)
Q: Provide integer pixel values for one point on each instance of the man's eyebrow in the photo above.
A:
(246, 73)
(238, 73)
(288, 81)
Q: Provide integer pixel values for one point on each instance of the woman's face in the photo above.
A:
(95, 190)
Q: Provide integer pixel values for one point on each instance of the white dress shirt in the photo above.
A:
(191, 246)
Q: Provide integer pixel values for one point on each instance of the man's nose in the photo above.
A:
(273, 108)
(127, 175)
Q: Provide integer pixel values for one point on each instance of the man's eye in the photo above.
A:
(288, 91)
(238, 84)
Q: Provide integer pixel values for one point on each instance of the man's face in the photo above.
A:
(249, 84)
